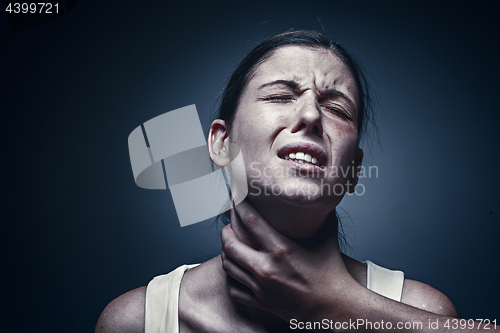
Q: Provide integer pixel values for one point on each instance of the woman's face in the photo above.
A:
(296, 125)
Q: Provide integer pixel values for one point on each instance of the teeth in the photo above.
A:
(301, 158)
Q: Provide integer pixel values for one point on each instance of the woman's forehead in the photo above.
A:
(310, 68)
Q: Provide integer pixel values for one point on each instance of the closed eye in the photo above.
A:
(278, 98)
(339, 111)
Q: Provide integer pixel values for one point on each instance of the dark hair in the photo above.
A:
(243, 73)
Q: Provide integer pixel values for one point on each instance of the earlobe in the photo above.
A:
(218, 141)
(358, 162)
(359, 157)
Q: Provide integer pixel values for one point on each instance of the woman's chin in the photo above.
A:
(299, 231)
(310, 201)
(294, 217)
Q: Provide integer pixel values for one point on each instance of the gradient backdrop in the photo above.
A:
(77, 231)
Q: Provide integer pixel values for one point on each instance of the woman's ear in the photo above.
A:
(218, 143)
(357, 165)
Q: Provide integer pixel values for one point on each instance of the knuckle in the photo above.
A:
(252, 221)
(234, 294)
(281, 250)
(228, 247)
(266, 272)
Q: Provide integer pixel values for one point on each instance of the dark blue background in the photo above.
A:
(77, 232)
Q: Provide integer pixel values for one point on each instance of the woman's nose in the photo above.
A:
(309, 115)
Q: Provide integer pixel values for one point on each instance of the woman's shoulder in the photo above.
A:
(124, 314)
(414, 293)
(425, 297)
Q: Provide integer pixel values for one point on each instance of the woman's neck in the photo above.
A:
(206, 286)
(320, 226)
(328, 234)
(294, 221)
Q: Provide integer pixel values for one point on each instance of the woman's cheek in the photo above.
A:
(344, 128)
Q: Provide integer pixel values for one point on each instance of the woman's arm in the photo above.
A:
(303, 282)
(425, 297)
(375, 313)
(124, 314)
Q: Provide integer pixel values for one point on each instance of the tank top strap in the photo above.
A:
(162, 302)
(384, 281)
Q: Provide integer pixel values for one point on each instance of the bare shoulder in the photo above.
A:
(423, 296)
(124, 314)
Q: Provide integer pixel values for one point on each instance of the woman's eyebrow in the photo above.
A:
(334, 93)
(291, 84)
(295, 86)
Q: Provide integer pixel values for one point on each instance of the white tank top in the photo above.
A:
(162, 295)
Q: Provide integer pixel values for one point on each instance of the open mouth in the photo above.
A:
(301, 157)
(303, 154)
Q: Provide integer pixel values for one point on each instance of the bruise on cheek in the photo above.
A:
(342, 128)
(350, 128)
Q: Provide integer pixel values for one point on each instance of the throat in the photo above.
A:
(293, 221)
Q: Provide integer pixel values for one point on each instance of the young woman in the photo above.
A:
(296, 107)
